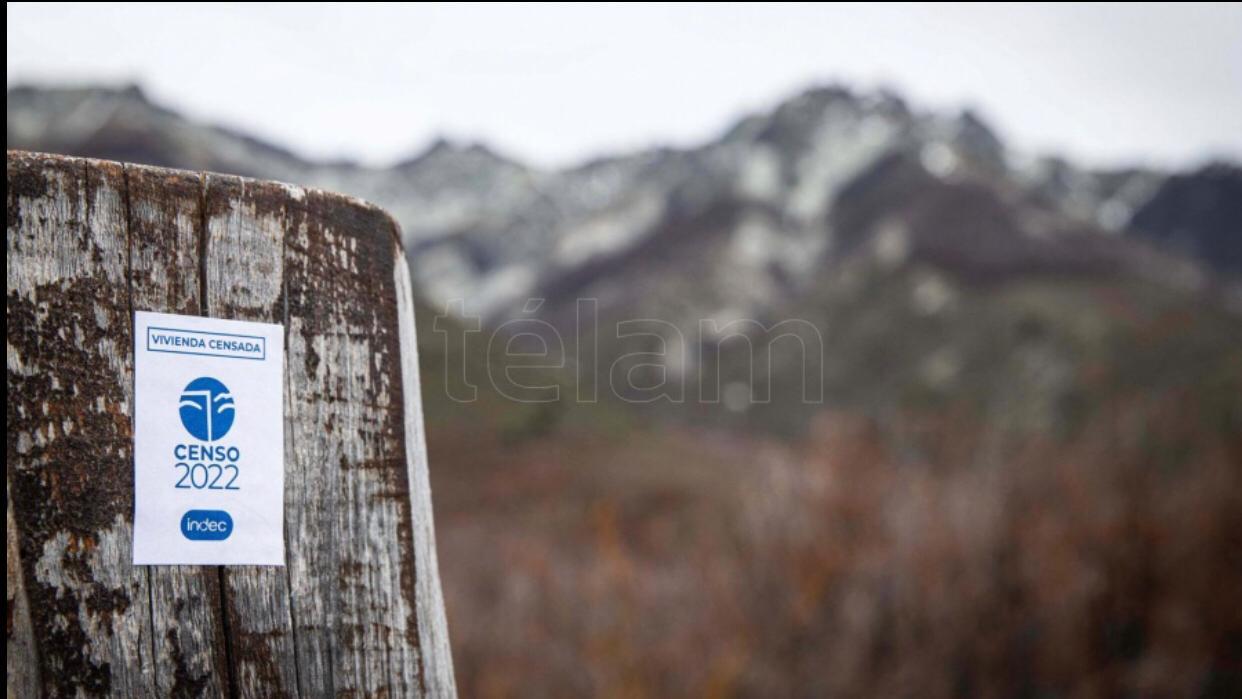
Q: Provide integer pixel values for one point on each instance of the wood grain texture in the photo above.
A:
(347, 415)
(438, 679)
(244, 269)
(20, 659)
(69, 428)
(165, 214)
(358, 610)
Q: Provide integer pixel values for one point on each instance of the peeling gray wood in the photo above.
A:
(313, 569)
(433, 637)
(346, 410)
(165, 214)
(244, 268)
(20, 660)
(358, 610)
(69, 429)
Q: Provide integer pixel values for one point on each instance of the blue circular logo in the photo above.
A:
(206, 409)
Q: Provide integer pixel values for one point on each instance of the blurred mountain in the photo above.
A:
(835, 208)
(1198, 213)
(121, 124)
(485, 227)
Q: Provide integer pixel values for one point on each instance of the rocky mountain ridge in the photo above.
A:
(493, 231)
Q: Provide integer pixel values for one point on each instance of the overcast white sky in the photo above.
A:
(553, 85)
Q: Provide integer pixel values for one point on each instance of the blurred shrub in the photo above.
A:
(710, 564)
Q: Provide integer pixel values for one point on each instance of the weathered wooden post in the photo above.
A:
(357, 609)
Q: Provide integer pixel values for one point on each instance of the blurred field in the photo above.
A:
(697, 563)
(1063, 517)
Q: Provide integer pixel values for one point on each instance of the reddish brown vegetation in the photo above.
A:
(957, 562)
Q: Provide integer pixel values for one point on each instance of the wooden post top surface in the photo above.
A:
(357, 609)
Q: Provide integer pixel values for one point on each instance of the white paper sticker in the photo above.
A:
(209, 441)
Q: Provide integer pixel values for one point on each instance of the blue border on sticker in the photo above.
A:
(262, 340)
